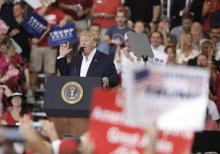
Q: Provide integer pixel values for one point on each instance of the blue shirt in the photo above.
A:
(114, 32)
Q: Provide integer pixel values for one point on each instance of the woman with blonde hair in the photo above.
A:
(12, 66)
(186, 51)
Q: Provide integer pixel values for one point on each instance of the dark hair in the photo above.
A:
(144, 24)
(22, 5)
(24, 108)
(188, 15)
(141, 21)
(158, 32)
(170, 46)
(205, 44)
(55, 4)
(202, 54)
(96, 24)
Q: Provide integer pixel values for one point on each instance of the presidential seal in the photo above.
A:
(72, 92)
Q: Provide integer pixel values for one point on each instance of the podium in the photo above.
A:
(206, 141)
(67, 101)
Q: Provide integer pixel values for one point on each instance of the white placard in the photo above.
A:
(38, 3)
(174, 96)
(34, 3)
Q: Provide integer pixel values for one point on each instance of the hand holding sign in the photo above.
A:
(78, 9)
(62, 23)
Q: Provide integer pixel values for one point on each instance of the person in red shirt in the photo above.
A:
(43, 56)
(12, 117)
(12, 66)
(209, 6)
(104, 12)
(79, 10)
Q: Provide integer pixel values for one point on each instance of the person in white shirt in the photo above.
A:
(125, 57)
(213, 111)
(156, 41)
(89, 62)
(186, 51)
(187, 20)
(160, 57)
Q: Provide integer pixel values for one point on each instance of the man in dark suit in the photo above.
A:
(178, 8)
(89, 62)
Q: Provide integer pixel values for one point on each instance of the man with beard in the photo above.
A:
(187, 20)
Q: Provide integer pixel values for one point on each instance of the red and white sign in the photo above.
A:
(174, 142)
(110, 131)
(113, 134)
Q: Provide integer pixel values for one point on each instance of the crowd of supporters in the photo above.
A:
(190, 36)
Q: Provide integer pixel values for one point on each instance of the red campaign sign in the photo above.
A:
(174, 142)
(112, 134)
(108, 128)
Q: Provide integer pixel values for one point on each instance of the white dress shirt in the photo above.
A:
(160, 57)
(125, 62)
(181, 58)
(213, 111)
(86, 63)
(160, 49)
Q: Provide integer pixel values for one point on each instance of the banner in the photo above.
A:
(171, 96)
(35, 25)
(64, 34)
(174, 142)
(112, 133)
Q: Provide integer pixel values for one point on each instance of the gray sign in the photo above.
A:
(140, 44)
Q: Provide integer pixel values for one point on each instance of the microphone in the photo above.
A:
(81, 49)
(78, 54)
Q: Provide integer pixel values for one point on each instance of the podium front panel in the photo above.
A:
(55, 103)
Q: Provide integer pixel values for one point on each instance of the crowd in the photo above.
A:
(190, 36)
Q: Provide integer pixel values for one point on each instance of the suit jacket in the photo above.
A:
(100, 66)
(177, 6)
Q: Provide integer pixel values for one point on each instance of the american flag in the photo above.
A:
(148, 77)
